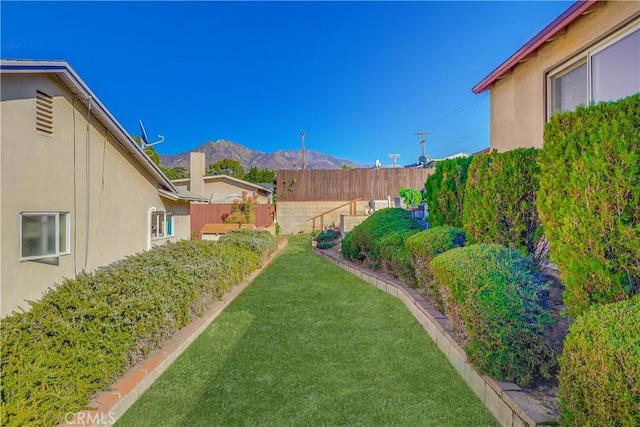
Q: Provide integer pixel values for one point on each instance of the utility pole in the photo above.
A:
(302, 150)
(422, 134)
(394, 157)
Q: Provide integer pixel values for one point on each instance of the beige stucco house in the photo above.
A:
(76, 191)
(218, 189)
(590, 53)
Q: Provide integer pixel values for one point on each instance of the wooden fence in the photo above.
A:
(338, 184)
(215, 214)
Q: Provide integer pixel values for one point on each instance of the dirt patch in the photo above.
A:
(546, 391)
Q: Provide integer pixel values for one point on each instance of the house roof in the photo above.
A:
(63, 71)
(183, 195)
(561, 22)
(223, 177)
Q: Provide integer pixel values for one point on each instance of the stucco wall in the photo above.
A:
(518, 101)
(108, 194)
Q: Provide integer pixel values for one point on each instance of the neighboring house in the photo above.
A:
(590, 53)
(218, 189)
(76, 191)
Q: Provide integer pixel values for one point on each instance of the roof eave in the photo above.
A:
(574, 11)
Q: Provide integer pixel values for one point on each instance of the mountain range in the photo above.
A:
(281, 159)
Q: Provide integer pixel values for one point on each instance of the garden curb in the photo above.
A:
(109, 406)
(508, 403)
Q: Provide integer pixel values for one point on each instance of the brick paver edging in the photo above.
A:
(111, 405)
(511, 406)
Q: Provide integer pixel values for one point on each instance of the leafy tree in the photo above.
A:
(149, 150)
(243, 210)
(346, 167)
(411, 198)
(175, 172)
(256, 175)
(226, 167)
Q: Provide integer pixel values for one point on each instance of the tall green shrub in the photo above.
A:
(600, 367)
(500, 201)
(589, 201)
(494, 301)
(363, 243)
(426, 245)
(444, 192)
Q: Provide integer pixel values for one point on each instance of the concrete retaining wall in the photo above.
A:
(293, 217)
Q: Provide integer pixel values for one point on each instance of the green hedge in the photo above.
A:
(426, 245)
(363, 242)
(493, 299)
(444, 192)
(589, 201)
(87, 331)
(260, 242)
(500, 201)
(395, 259)
(600, 367)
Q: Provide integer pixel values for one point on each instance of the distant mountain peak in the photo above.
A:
(248, 158)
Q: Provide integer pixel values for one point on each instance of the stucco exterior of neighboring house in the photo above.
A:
(590, 53)
(217, 189)
(76, 192)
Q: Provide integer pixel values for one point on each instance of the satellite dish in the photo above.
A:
(422, 160)
(145, 138)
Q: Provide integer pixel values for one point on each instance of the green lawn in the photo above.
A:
(308, 344)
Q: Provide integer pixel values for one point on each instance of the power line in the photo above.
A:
(456, 112)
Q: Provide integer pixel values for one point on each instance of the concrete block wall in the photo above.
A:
(293, 217)
(349, 222)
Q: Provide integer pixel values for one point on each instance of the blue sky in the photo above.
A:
(360, 78)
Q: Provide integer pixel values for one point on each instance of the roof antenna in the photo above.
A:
(394, 157)
(145, 139)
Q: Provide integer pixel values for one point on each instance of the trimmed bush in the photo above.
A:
(493, 297)
(500, 201)
(600, 367)
(259, 242)
(426, 245)
(444, 192)
(87, 331)
(328, 238)
(589, 201)
(363, 243)
(395, 258)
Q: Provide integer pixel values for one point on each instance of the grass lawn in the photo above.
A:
(308, 344)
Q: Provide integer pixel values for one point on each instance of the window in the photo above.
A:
(607, 72)
(161, 225)
(44, 235)
(44, 113)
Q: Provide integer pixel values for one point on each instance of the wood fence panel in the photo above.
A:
(338, 184)
(202, 214)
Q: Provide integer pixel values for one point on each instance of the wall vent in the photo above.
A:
(44, 113)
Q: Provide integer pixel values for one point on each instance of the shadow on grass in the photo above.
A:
(310, 344)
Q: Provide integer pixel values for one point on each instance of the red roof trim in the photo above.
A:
(558, 24)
